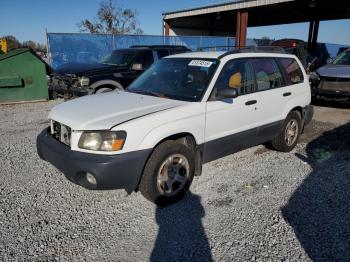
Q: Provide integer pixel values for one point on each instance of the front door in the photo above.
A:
(231, 124)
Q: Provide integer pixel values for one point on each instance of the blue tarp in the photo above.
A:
(65, 48)
(87, 48)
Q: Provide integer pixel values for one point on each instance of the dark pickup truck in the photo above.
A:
(115, 71)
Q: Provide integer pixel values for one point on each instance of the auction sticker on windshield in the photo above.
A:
(201, 63)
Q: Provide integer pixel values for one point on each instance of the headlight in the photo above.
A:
(102, 140)
(314, 76)
(84, 81)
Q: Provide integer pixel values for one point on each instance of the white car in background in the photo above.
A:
(186, 110)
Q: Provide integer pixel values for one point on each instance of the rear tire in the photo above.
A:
(290, 133)
(168, 173)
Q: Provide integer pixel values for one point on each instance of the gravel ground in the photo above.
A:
(257, 205)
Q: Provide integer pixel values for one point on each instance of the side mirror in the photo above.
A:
(227, 93)
(137, 67)
(329, 60)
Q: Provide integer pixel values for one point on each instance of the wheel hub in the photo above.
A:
(292, 131)
(173, 175)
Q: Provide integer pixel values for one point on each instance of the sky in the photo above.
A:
(27, 19)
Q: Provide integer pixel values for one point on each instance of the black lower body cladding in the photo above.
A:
(122, 171)
(308, 113)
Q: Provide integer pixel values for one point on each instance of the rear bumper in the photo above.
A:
(122, 171)
(308, 114)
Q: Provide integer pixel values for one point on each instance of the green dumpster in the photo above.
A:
(23, 76)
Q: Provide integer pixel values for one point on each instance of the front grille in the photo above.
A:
(335, 84)
(61, 132)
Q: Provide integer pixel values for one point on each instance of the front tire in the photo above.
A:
(168, 173)
(289, 136)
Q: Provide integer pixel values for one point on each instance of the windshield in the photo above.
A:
(176, 78)
(119, 57)
(342, 59)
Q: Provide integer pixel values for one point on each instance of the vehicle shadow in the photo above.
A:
(181, 235)
(319, 209)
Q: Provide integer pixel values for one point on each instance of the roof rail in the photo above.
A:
(256, 49)
(160, 46)
(216, 47)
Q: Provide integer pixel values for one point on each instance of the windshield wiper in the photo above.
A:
(149, 93)
(158, 94)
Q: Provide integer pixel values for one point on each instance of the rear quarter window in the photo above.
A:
(292, 70)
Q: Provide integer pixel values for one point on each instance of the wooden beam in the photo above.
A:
(238, 30)
(241, 29)
(166, 29)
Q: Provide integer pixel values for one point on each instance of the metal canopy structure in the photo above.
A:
(234, 17)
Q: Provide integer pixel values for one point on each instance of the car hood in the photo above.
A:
(86, 69)
(340, 71)
(103, 111)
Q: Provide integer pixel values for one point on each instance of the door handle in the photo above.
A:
(251, 102)
(287, 94)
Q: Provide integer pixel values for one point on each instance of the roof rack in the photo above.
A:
(160, 46)
(216, 48)
(256, 49)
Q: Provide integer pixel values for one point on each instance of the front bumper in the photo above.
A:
(324, 93)
(122, 171)
(331, 88)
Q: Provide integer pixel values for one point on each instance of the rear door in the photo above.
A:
(270, 84)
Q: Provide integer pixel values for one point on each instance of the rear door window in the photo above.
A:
(293, 70)
(145, 58)
(268, 74)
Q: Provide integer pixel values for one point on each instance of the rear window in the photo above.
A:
(293, 71)
(178, 51)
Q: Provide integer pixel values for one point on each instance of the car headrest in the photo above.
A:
(235, 80)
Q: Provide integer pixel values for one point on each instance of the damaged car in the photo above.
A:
(115, 71)
(332, 81)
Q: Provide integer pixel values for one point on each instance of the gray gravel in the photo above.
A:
(257, 205)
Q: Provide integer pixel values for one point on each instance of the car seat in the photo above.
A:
(235, 81)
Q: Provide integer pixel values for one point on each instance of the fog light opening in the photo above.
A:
(91, 179)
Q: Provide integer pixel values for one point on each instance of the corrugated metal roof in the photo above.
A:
(243, 4)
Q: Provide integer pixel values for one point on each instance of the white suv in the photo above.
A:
(186, 110)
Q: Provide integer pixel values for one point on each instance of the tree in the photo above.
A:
(265, 41)
(31, 44)
(112, 19)
(12, 42)
(35, 46)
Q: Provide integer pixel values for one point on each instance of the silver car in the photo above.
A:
(333, 79)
